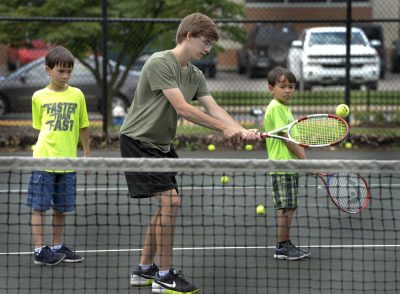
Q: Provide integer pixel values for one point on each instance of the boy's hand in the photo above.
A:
(251, 135)
(233, 134)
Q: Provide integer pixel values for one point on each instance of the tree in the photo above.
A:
(126, 40)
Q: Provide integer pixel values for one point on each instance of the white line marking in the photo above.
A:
(360, 246)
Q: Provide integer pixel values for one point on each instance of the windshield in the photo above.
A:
(335, 38)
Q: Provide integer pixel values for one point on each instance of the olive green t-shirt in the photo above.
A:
(151, 118)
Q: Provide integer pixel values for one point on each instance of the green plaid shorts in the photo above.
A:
(285, 188)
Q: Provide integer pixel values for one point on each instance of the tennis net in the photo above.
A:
(221, 243)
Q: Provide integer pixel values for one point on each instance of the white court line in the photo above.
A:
(226, 248)
(110, 189)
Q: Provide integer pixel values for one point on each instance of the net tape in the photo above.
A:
(198, 165)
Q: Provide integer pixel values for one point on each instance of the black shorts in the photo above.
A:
(144, 185)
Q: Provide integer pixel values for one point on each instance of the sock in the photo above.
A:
(163, 273)
(56, 247)
(144, 266)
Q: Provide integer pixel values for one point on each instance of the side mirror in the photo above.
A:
(376, 43)
(297, 44)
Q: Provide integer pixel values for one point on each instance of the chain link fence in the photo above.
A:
(314, 49)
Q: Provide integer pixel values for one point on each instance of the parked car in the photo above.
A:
(19, 56)
(395, 58)
(266, 47)
(17, 88)
(375, 32)
(319, 58)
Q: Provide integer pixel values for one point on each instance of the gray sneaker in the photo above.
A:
(290, 252)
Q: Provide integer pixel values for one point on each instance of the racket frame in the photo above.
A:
(322, 176)
(273, 134)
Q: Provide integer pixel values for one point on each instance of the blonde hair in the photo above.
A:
(198, 25)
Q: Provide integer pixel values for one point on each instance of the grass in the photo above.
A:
(236, 98)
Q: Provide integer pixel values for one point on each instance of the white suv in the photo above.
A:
(320, 58)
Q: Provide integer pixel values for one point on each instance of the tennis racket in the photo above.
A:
(348, 191)
(315, 130)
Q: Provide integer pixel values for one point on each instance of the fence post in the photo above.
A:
(348, 54)
(105, 62)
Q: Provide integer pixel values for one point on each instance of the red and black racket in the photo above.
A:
(348, 191)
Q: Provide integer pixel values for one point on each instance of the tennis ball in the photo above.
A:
(342, 110)
(211, 147)
(224, 180)
(248, 147)
(260, 210)
(348, 145)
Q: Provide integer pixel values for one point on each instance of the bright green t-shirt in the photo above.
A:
(151, 118)
(277, 115)
(59, 116)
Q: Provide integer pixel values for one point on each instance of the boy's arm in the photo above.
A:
(218, 112)
(84, 135)
(294, 148)
(194, 115)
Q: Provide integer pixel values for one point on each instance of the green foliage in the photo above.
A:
(126, 40)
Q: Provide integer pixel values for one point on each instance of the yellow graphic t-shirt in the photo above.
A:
(59, 116)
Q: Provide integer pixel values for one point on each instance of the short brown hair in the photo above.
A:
(198, 25)
(275, 74)
(59, 56)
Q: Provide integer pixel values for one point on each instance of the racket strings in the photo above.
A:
(348, 191)
(318, 131)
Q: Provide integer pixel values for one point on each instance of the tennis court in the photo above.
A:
(221, 243)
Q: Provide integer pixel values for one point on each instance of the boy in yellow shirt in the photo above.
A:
(59, 113)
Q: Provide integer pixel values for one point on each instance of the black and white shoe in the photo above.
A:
(173, 282)
(140, 277)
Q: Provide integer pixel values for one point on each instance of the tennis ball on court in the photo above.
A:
(224, 180)
(211, 147)
(342, 110)
(348, 145)
(260, 210)
(248, 147)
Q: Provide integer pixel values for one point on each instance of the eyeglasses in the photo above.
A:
(207, 43)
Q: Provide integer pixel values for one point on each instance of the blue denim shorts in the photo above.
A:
(47, 189)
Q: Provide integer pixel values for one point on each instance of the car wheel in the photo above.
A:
(3, 106)
(307, 86)
(372, 85)
(119, 106)
(277, 54)
(251, 72)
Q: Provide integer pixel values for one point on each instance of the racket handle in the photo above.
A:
(264, 135)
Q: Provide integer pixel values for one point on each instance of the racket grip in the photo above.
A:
(264, 135)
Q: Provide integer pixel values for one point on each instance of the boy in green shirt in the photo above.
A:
(281, 84)
(59, 113)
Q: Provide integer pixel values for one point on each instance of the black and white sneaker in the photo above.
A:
(289, 251)
(140, 277)
(173, 282)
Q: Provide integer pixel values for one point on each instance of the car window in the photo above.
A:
(335, 38)
(37, 74)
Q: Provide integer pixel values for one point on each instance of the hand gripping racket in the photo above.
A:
(315, 130)
(349, 192)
